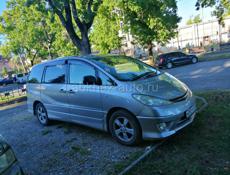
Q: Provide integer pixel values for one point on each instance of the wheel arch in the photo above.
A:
(114, 109)
(34, 106)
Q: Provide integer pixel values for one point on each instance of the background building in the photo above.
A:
(202, 34)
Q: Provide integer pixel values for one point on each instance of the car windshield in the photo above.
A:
(125, 68)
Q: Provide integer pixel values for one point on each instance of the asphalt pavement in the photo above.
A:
(202, 76)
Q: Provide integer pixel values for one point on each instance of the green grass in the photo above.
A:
(205, 57)
(46, 132)
(10, 98)
(203, 148)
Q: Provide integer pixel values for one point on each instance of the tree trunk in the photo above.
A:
(150, 49)
(85, 44)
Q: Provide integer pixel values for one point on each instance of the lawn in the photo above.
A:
(5, 99)
(203, 148)
(210, 57)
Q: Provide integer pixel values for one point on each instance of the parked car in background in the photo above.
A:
(21, 78)
(118, 94)
(8, 162)
(172, 59)
(6, 81)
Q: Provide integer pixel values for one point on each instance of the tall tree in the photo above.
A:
(222, 7)
(105, 33)
(150, 20)
(32, 32)
(77, 17)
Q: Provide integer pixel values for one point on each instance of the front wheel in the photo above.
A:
(41, 114)
(125, 128)
(194, 60)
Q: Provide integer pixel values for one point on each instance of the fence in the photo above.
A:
(13, 94)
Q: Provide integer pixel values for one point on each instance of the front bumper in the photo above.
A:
(172, 123)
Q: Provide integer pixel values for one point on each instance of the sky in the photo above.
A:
(186, 9)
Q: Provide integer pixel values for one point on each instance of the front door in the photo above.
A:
(84, 95)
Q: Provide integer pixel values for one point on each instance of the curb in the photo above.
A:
(205, 103)
(148, 150)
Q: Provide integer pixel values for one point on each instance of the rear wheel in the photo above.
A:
(41, 114)
(125, 128)
(169, 65)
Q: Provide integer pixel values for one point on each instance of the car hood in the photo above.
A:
(163, 86)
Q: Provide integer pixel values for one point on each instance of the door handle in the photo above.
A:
(71, 91)
(62, 91)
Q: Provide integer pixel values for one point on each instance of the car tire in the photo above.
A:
(125, 128)
(169, 65)
(41, 114)
(194, 60)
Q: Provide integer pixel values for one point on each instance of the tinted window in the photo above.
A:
(105, 80)
(82, 73)
(20, 75)
(35, 75)
(55, 74)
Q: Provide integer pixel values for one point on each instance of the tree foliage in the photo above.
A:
(222, 7)
(105, 32)
(77, 17)
(4, 71)
(32, 32)
(194, 20)
(150, 20)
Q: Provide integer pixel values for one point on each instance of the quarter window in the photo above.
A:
(35, 75)
(55, 74)
(105, 80)
(82, 73)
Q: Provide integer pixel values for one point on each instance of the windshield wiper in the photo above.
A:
(145, 75)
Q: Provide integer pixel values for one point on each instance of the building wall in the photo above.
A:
(201, 34)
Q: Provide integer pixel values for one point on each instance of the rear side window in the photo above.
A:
(35, 75)
(81, 73)
(55, 74)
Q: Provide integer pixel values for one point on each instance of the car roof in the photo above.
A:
(85, 57)
(165, 54)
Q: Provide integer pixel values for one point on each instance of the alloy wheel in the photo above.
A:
(41, 114)
(123, 129)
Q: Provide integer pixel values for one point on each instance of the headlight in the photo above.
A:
(6, 160)
(151, 101)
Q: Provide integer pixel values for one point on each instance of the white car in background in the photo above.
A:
(21, 78)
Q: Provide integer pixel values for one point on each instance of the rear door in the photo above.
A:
(53, 90)
(84, 94)
(177, 58)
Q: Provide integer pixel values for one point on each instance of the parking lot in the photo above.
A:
(65, 148)
(61, 148)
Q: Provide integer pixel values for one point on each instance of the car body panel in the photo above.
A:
(14, 167)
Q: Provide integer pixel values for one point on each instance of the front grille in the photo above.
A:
(181, 98)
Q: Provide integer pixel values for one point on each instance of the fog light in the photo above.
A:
(162, 126)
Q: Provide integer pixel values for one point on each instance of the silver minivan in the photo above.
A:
(118, 94)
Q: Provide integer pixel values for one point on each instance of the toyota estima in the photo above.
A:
(118, 94)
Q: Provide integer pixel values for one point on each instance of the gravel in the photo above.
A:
(62, 148)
